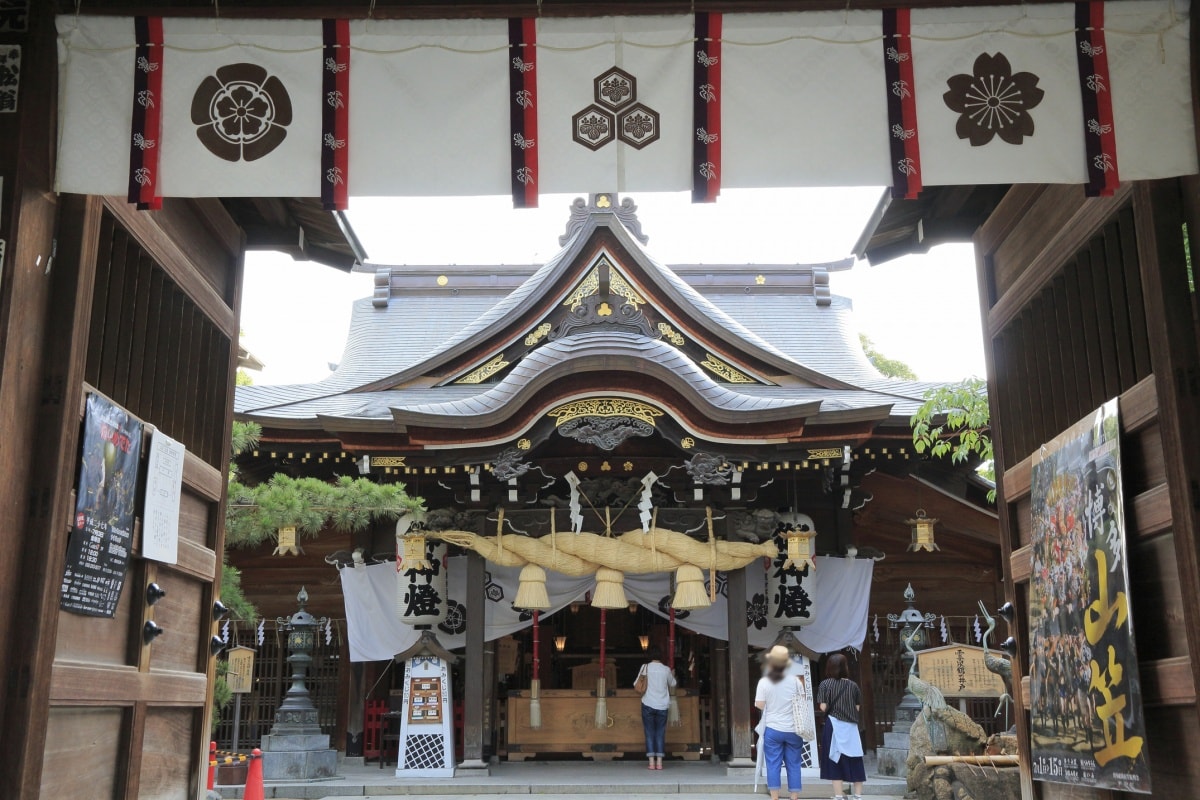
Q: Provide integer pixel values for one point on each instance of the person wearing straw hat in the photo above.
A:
(654, 681)
(781, 742)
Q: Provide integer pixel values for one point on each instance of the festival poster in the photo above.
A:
(105, 506)
(1087, 726)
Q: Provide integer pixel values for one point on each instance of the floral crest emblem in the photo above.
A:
(993, 101)
(241, 112)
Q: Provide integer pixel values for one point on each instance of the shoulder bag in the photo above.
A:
(642, 681)
(802, 713)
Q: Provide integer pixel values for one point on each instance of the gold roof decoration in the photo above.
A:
(589, 286)
(482, 373)
(604, 407)
(725, 371)
(537, 334)
(620, 285)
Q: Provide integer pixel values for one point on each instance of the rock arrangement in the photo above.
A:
(963, 737)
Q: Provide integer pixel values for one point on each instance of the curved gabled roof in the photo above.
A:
(595, 352)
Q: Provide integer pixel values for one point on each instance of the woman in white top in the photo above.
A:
(781, 743)
(655, 702)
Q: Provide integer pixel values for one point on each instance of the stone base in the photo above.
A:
(299, 765)
(294, 742)
(477, 766)
(890, 761)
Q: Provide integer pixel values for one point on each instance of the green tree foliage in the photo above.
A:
(890, 367)
(242, 378)
(254, 514)
(953, 421)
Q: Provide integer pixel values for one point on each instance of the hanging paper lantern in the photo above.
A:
(689, 588)
(531, 589)
(610, 589)
(421, 588)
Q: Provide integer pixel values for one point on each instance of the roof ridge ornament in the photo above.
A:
(603, 202)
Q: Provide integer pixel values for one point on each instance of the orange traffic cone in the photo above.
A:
(254, 777)
(212, 764)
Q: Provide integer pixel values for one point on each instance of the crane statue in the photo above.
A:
(930, 696)
(997, 664)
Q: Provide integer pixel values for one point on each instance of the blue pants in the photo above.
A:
(654, 722)
(780, 748)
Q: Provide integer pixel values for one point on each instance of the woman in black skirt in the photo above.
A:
(841, 747)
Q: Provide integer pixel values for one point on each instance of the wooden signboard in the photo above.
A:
(425, 700)
(958, 670)
(240, 676)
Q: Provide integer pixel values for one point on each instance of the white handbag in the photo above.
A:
(802, 713)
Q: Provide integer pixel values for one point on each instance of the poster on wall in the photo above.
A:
(1087, 726)
(164, 484)
(105, 506)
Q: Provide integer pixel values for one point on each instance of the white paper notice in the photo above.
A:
(164, 480)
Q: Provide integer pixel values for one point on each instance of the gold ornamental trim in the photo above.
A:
(604, 407)
(670, 334)
(387, 461)
(481, 374)
(725, 371)
(620, 286)
(537, 334)
(589, 286)
(828, 452)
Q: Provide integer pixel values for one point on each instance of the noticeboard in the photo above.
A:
(425, 700)
(240, 675)
(959, 670)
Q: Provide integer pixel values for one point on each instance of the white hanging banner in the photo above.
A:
(376, 632)
(985, 95)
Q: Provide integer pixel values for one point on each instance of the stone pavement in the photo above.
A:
(618, 780)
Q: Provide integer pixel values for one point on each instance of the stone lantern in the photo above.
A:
(892, 757)
(296, 749)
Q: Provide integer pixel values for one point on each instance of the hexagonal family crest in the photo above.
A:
(615, 114)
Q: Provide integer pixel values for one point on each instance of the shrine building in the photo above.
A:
(604, 392)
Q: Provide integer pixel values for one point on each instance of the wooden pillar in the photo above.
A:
(489, 699)
(866, 682)
(357, 701)
(739, 672)
(1159, 212)
(719, 697)
(473, 683)
(37, 320)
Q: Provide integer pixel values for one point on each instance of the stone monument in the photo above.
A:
(296, 749)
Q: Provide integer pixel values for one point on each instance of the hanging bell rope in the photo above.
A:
(601, 683)
(535, 684)
(673, 716)
(712, 557)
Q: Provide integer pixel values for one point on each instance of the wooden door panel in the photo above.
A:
(82, 752)
(164, 761)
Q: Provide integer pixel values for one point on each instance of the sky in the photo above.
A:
(922, 310)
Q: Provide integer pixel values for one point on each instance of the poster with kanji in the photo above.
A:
(105, 506)
(1087, 726)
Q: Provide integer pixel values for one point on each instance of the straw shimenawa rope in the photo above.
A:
(635, 552)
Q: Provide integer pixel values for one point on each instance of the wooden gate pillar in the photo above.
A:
(739, 671)
(473, 669)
